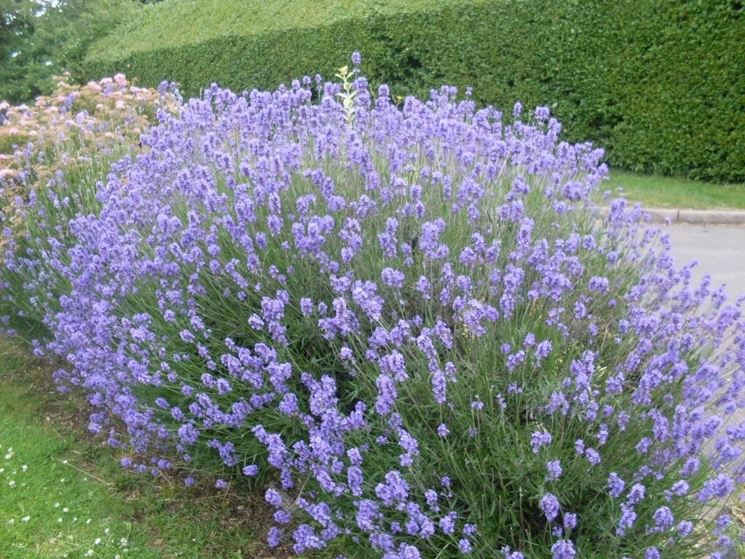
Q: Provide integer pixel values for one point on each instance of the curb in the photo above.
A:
(707, 217)
(697, 217)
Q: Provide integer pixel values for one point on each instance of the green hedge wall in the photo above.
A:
(660, 84)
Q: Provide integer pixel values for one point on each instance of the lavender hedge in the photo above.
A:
(409, 326)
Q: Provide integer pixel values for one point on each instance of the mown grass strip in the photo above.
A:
(63, 495)
(654, 191)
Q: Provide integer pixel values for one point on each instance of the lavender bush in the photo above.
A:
(409, 325)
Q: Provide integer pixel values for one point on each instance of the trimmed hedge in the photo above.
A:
(659, 83)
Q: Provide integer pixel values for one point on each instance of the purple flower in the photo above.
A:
(365, 294)
(394, 489)
(542, 113)
(598, 284)
(685, 528)
(273, 497)
(447, 524)
(543, 349)
(393, 278)
(554, 469)
(563, 549)
(407, 551)
(615, 485)
(470, 529)
(717, 487)
(593, 456)
(439, 387)
(539, 439)
(306, 306)
(579, 446)
(386, 394)
(550, 506)
(274, 538)
(423, 287)
(367, 515)
(464, 546)
(636, 494)
(627, 520)
(663, 519)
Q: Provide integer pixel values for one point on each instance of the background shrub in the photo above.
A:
(659, 84)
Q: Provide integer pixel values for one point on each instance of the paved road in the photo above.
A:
(720, 251)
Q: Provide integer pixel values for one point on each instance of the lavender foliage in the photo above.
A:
(409, 322)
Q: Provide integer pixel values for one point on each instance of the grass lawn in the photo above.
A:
(63, 495)
(671, 192)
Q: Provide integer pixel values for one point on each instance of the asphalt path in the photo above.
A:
(719, 250)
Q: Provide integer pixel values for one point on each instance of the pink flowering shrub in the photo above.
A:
(76, 129)
(409, 325)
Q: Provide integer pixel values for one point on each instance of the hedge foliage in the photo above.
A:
(659, 83)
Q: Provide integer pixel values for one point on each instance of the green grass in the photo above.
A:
(671, 192)
(62, 494)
